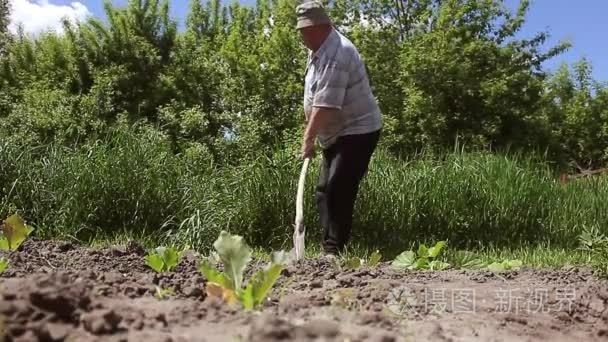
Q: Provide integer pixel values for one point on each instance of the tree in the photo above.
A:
(4, 21)
(468, 79)
(576, 108)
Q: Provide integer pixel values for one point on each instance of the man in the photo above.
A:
(342, 115)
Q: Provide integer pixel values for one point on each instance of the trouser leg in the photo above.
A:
(344, 165)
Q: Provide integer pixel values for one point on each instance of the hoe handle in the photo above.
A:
(300, 195)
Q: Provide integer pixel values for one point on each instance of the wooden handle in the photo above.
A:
(300, 194)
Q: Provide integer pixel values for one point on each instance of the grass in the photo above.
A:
(133, 186)
(534, 255)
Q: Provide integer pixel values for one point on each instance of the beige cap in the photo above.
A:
(311, 13)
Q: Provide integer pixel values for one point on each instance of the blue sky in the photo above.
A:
(582, 22)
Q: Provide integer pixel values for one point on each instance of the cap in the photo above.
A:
(311, 13)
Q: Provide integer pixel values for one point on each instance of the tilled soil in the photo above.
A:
(57, 291)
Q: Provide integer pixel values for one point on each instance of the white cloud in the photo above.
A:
(41, 15)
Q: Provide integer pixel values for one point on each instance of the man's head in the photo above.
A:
(313, 23)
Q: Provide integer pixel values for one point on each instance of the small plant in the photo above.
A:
(161, 293)
(228, 285)
(164, 259)
(14, 232)
(505, 265)
(3, 265)
(467, 260)
(345, 298)
(591, 239)
(425, 259)
(354, 263)
(596, 244)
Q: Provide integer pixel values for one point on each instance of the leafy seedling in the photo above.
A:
(425, 259)
(596, 244)
(592, 239)
(14, 232)
(505, 265)
(354, 262)
(468, 260)
(164, 259)
(374, 259)
(345, 298)
(3, 265)
(161, 293)
(228, 285)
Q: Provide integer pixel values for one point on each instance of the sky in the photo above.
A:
(583, 23)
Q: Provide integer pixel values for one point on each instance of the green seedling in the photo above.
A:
(164, 259)
(425, 259)
(3, 265)
(592, 239)
(468, 260)
(505, 265)
(354, 263)
(345, 298)
(374, 259)
(596, 244)
(161, 293)
(228, 285)
(14, 232)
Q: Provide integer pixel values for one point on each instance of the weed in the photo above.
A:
(596, 245)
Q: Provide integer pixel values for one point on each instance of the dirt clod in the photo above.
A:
(101, 321)
(58, 332)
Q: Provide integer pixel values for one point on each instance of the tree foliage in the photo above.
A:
(229, 85)
(4, 21)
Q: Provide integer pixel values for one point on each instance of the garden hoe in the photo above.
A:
(299, 229)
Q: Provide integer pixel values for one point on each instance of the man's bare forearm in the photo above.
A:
(319, 119)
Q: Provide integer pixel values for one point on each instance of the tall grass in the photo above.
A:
(134, 185)
(476, 199)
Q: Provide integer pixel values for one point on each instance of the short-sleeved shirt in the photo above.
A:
(336, 78)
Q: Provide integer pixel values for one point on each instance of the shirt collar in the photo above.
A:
(331, 37)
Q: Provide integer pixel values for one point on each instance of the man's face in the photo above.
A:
(308, 35)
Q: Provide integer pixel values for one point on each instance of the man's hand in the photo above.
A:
(308, 149)
(318, 120)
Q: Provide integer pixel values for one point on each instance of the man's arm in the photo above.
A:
(332, 80)
(319, 119)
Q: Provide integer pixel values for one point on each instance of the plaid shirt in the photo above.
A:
(336, 78)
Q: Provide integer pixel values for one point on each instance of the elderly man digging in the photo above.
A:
(342, 115)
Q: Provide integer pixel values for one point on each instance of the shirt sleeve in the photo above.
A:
(332, 81)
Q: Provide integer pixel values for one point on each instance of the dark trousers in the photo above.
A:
(343, 166)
